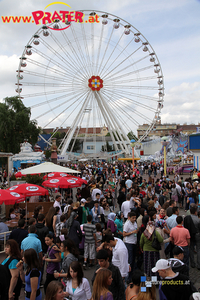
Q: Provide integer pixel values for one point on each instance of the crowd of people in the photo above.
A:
(126, 227)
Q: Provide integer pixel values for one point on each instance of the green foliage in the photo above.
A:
(132, 136)
(48, 154)
(116, 136)
(12, 177)
(34, 179)
(15, 125)
(107, 147)
(77, 145)
(60, 136)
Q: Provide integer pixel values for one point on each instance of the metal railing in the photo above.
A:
(3, 241)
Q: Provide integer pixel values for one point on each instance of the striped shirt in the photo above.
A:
(89, 230)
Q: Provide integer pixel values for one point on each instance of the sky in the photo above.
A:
(172, 27)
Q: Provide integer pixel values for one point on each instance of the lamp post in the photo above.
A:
(164, 142)
(133, 156)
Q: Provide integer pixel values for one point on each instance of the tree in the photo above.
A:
(132, 136)
(15, 125)
(60, 136)
(107, 147)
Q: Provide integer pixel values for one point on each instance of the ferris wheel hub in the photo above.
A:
(95, 83)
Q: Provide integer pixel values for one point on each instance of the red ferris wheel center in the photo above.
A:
(95, 83)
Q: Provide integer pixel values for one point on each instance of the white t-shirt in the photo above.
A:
(125, 208)
(120, 257)
(128, 227)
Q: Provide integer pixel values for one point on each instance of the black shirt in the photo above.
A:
(117, 287)
(18, 235)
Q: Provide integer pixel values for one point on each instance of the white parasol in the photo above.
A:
(47, 167)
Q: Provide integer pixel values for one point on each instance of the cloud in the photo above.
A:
(171, 27)
(181, 104)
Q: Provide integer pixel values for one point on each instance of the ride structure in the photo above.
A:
(100, 74)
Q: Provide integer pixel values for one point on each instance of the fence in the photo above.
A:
(3, 241)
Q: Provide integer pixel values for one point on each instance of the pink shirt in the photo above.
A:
(180, 236)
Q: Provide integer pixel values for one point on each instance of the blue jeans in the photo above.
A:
(131, 256)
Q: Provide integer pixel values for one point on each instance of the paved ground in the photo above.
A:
(194, 273)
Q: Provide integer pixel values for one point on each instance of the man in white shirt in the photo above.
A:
(57, 203)
(126, 207)
(120, 254)
(96, 191)
(130, 239)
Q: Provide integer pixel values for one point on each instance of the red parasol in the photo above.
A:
(28, 189)
(9, 198)
(56, 175)
(64, 182)
(19, 175)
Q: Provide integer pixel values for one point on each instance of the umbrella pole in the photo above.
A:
(26, 211)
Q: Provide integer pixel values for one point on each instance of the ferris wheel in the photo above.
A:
(99, 79)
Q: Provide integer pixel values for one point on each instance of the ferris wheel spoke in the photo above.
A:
(47, 93)
(129, 87)
(94, 124)
(50, 60)
(57, 99)
(121, 53)
(106, 63)
(99, 69)
(130, 73)
(39, 64)
(77, 132)
(92, 43)
(77, 100)
(133, 110)
(78, 65)
(123, 69)
(64, 50)
(60, 57)
(66, 77)
(57, 106)
(116, 106)
(131, 101)
(100, 44)
(56, 53)
(74, 125)
(81, 54)
(136, 95)
(118, 131)
(134, 80)
(108, 121)
(52, 69)
(86, 47)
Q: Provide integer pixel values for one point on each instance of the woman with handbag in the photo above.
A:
(150, 238)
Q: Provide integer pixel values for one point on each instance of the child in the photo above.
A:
(12, 214)
(177, 264)
(90, 241)
(98, 234)
(60, 225)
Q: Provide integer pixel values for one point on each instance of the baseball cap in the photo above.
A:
(195, 296)
(161, 264)
(83, 200)
(177, 250)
